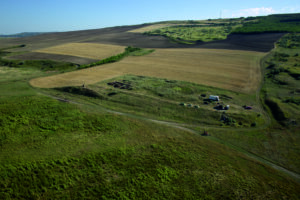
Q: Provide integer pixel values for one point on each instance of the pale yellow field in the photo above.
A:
(153, 27)
(86, 50)
(150, 28)
(228, 69)
(158, 26)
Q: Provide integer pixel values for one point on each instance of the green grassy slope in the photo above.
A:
(280, 97)
(272, 23)
(56, 150)
(193, 33)
(190, 32)
(176, 101)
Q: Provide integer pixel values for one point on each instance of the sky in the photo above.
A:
(18, 16)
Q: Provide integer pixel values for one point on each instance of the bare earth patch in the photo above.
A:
(86, 50)
(228, 69)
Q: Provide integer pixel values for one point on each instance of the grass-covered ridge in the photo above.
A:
(56, 150)
(283, 76)
(273, 23)
(168, 100)
(164, 167)
(191, 32)
(280, 97)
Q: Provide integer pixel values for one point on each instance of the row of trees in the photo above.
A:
(114, 58)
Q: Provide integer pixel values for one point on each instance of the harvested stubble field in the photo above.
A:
(149, 28)
(228, 69)
(85, 50)
(157, 26)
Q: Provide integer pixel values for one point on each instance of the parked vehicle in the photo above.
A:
(214, 98)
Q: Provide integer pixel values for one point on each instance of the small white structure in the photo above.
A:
(214, 98)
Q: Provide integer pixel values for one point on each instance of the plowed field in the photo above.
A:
(122, 36)
(228, 69)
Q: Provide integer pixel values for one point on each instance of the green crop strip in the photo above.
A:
(193, 33)
(134, 51)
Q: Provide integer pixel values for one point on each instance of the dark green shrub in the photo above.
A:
(132, 49)
(80, 91)
(112, 59)
(275, 109)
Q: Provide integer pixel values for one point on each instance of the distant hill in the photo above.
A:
(251, 33)
(277, 23)
(24, 34)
